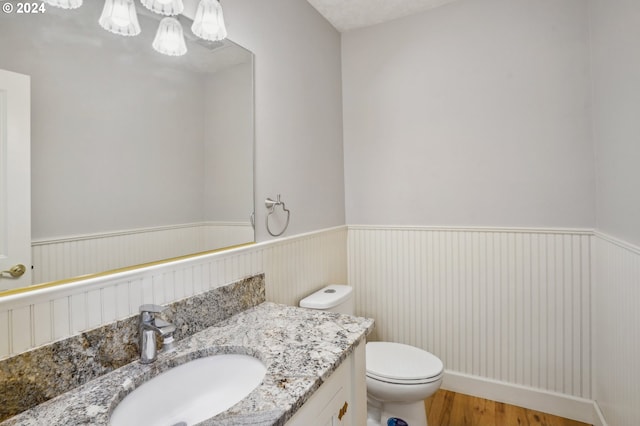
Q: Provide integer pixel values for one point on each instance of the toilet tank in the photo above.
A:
(334, 298)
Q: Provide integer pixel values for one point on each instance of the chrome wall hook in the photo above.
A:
(271, 207)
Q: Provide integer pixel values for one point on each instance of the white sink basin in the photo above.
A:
(191, 392)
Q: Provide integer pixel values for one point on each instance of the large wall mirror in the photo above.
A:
(135, 156)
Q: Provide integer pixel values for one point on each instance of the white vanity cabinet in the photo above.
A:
(341, 400)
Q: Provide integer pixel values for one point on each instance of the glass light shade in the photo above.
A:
(164, 7)
(169, 39)
(209, 22)
(65, 4)
(119, 17)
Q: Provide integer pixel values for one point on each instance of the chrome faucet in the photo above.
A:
(150, 327)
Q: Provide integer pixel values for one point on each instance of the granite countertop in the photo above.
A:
(300, 348)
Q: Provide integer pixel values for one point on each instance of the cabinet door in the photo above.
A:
(323, 408)
(341, 400)
(330, 415)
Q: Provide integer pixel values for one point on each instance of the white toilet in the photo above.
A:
(399, 377)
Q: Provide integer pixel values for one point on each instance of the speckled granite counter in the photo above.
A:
(33, 377)
(301, 348)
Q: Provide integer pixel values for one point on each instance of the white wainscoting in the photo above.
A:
(511, 312)
(510, 306)
(293, 267)
(616, 330)
(60, 258)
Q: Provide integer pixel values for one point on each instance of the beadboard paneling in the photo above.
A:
(616, 330)
(62, 258)
(293, 267)
(503, 304)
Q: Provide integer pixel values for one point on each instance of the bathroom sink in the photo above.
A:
(191, 392)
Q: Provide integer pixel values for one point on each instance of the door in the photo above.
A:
(15, 180)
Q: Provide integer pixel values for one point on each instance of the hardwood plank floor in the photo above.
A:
(447, 408)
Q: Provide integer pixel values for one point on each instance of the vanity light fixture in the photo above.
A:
(169, 39)
(119, 17)
(65, 4)
(164, 7)
(209, 21)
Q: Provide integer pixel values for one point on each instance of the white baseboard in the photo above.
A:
(600, 420)
(570, 407)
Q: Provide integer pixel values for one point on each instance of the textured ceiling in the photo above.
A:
(350, 14)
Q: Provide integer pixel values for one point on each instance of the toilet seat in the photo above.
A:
(401, 364)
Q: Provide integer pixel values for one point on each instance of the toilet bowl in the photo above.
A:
(399, 377)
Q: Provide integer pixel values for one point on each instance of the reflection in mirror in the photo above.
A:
(136, 156)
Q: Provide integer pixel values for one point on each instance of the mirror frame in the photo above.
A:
(42, 286)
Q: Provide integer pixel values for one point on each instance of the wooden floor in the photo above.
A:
(447, 408)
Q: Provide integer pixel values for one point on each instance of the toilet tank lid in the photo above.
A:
(327, 297)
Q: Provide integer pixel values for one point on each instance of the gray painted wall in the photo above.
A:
(104, 133)
(472, 114)
(615, 31)
(298, 124)
(228, 178)
(299, 150)
(118, 137)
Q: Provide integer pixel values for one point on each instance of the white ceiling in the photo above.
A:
(346, 15)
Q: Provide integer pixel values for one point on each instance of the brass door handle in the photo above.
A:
(16, 271)
(343, 411)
